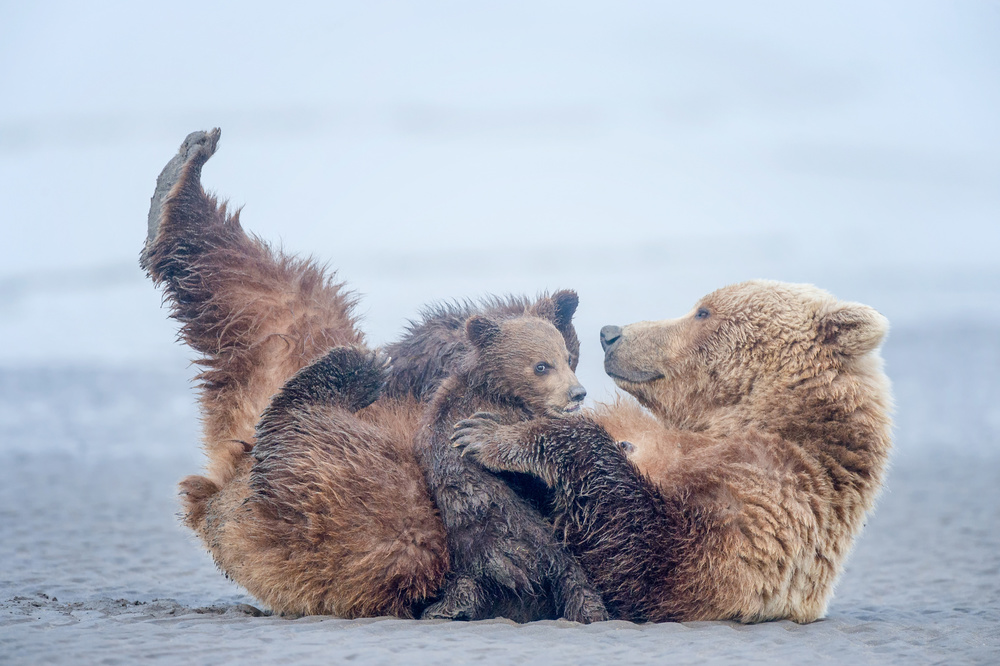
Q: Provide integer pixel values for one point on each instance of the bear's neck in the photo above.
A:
(844, 425)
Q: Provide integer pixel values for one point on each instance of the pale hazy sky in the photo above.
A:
(641, 152)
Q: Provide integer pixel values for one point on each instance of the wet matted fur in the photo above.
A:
(505, 559)
(313, 499)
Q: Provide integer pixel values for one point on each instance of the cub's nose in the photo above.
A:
(577, 393)
(610, 335)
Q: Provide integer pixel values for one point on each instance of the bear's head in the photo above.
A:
(525, 359)
(749, 353)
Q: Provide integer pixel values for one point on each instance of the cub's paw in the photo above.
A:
(477, 435)
(461, 599)
(486, 440)
(586, 607)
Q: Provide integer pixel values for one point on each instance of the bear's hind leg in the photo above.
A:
(256, 315)
(195, 491)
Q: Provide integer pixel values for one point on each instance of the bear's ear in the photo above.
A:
(566, 302)
(852, 328)
(482, 331)
(558, 308)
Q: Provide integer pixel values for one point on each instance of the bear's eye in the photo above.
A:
(541, 368)
(702, 313)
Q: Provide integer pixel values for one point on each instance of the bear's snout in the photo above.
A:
(577, 393)
(609, 336)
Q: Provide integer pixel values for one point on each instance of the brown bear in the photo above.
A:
(328, 512)
(290, 519)
(767, 443)
(505, 559)
(313, 499)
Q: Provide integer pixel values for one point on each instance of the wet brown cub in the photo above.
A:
(505, 559)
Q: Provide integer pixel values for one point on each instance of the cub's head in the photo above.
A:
(525, 359)
(747, 349)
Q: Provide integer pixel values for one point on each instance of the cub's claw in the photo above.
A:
(383, 360)
(486, 415)
(473, 433)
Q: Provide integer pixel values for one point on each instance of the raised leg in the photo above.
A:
(256, 315)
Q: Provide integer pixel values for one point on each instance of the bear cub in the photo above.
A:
(505, 558)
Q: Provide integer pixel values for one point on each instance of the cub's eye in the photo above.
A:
(541, 368)
(702, 313)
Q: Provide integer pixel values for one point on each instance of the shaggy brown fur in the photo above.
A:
(504, 557)
(436, 347)
(314, 500)
(310, 506)
(255, 315)
(743, 498)
(330, 514)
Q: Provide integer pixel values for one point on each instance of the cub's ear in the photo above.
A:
(852, 328)
(566, 302)
(482, 331)
(558, 308)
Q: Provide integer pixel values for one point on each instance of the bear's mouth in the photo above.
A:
(567, 410)
(631, 375)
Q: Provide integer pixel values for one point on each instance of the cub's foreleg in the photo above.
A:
(627, 536)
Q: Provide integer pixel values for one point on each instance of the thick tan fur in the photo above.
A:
(769, 423)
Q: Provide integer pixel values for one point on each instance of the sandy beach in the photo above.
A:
(97, 569)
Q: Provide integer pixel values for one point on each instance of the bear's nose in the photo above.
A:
(610, 335)
(577, 393)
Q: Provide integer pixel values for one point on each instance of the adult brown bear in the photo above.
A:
(767, 443)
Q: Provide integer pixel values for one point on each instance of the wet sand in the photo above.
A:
(96, 568)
